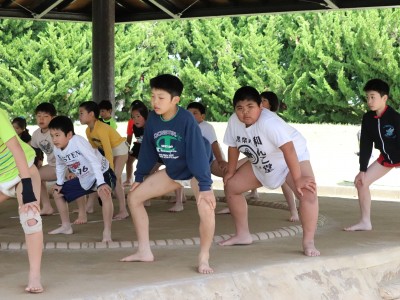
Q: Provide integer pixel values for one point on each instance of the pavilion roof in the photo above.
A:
(127, 11)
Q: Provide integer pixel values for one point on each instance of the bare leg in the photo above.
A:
(62, 207)
(82, 216)
(91, 198)
(129, 170)
(47, 173)
(179, 195)
(291, 201)
(107, 210)
(242, 181)
(119, 163)
(374, 172)
(34, 242)
(206, 229)
(155, 185)
(308, 210)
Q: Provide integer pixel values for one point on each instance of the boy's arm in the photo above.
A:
(217, 151)
(87, 151)
(148, 155)
(366, 144)
(106, 143)
(233, 156)
(60, 170)
(23, 169)
(198, 157)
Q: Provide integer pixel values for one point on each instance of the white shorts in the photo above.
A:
(184, 183)
(121, 149)
(8, 188)
(276, 178)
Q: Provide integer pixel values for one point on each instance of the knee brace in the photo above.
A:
(31, 215)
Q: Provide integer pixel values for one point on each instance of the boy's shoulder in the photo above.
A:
(38, 134)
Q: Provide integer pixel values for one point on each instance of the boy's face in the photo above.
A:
(60, 140)
(375, 101)
(248, 111)
(138, 119)
(43, 119)
(84, 116)
(105, 114)
(265, 103)
(197, 114)
(163, 103)
(17, 129)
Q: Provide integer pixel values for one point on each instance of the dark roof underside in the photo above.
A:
(144, 10)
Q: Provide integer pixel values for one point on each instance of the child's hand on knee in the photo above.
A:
(34, 206)
(134, 186)
(208, 198)
(104, 190)
(306, 182)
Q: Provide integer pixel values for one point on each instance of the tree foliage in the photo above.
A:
(317, 63)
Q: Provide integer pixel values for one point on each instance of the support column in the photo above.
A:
(103, 21)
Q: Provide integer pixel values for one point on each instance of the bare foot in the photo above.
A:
(106, 236)
(361, 226)
(145, 257)
(47, 211)
(34, 285)
(310, 250)
(62, 230)
(121, 215)
(294, 218)
(80, 220)
(244, 239)
(204, 267)
(223, 211)
(176, 208)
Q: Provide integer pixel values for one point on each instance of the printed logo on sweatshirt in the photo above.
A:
(389, 131)
(165, 143)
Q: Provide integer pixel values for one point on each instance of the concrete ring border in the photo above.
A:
(259, 236)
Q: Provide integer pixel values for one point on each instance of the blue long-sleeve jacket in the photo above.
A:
(180, 145)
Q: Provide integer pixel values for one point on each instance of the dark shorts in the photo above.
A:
(72, 189)
(135, 150)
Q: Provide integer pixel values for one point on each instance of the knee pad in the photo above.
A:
(31, 215)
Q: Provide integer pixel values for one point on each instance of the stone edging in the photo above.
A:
(259, 236)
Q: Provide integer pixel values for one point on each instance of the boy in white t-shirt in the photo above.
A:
(277, 153)
(41, 139)
(92, 171)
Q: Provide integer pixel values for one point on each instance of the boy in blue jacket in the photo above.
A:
(173, 135)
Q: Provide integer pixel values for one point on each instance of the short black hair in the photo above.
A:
(141, 108)
(105, 104)
(62, 123)
(197, 105)
(91, 106)
(246, 93)
(46, 107)
(272, 100)
(20, 121)
(167, 82)
(377, 85)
